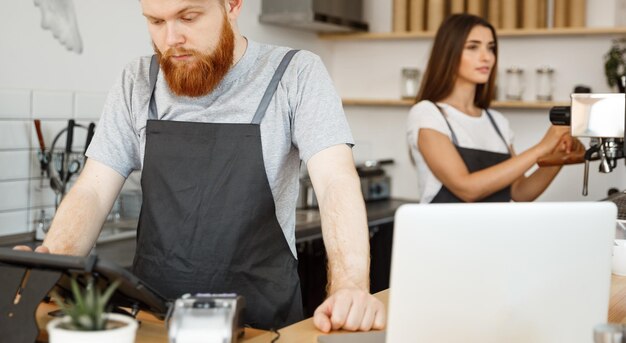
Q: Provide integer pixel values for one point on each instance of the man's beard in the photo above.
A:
(200, 76)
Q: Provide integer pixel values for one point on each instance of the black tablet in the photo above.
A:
(131, 291)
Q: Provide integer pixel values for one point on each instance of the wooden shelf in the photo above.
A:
(535, 105)
(571, 31)
(494, 104)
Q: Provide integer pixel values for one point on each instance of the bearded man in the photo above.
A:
(219, 124)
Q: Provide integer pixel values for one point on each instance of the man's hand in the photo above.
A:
(42, 248)
(350, 309)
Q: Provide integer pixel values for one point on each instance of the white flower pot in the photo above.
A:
(123, 334)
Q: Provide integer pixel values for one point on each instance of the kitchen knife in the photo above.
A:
(42, 145)
(43, 158)
(90, 132)
(69, 138)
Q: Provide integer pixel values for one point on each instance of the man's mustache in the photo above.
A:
(171, 52)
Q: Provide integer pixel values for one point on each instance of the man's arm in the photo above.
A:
(344, 228)
(82, 212)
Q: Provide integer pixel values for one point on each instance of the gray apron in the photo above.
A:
(475, 160)
(208, 221)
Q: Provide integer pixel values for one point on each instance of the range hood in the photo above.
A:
(315, 15)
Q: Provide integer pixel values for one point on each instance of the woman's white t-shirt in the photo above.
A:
(471, 132)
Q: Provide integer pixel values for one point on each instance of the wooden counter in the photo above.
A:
(154, 331)
(151, 330)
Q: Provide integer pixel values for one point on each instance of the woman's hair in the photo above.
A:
(445, 58)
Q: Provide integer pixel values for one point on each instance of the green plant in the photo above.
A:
(615, 63)
(87, 309)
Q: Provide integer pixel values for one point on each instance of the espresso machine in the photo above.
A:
(601, 118)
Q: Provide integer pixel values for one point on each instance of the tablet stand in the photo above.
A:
(27, 277)
(21, 291)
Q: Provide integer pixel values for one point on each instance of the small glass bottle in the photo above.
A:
(410, 82)
(514, 83)
(545, 83)
(608, 333)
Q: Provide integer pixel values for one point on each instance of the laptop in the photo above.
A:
(498, 272)
(503, 272)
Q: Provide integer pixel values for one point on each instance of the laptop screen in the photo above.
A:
(500, 272)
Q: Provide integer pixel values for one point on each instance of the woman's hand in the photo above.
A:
(560, 156)
(557, 138)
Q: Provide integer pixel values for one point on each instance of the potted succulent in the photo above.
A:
(86, 318)
(615, 64)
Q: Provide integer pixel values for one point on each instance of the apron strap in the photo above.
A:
(271, 88)
(454, 140)
(265, 101)
(493, 122)
(154, 72)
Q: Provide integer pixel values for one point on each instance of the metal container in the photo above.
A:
(315, 15)
(598, 115)
(376, 187)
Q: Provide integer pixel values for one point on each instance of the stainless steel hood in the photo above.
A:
(315, 15)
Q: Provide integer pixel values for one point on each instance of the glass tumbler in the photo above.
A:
(545, 83)
(410, 82)
(514, 83)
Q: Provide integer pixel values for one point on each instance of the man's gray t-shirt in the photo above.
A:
(304, 117)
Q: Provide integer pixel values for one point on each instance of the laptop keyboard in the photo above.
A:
(620, 201)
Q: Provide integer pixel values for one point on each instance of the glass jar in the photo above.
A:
(514, 83)
(410, 82)
(545, 84)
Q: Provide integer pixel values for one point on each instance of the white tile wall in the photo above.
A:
(41, 194)
(14, 195)
(15, 165)
(23, 192)
(89, 105)
(52, 104)
(14, 103)
(13, 222)
(15, 134)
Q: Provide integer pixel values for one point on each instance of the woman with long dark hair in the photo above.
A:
(462, 149)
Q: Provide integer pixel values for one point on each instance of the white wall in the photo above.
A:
(113, 32)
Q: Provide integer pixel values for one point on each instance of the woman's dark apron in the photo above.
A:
(208, 221)
(476, 160)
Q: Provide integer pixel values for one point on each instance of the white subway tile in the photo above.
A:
(14, 195)
(41, 194)
(14, 103)
(14, 165)
(53, 104)
(15, 134)
(12, 223)
(88, 105)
